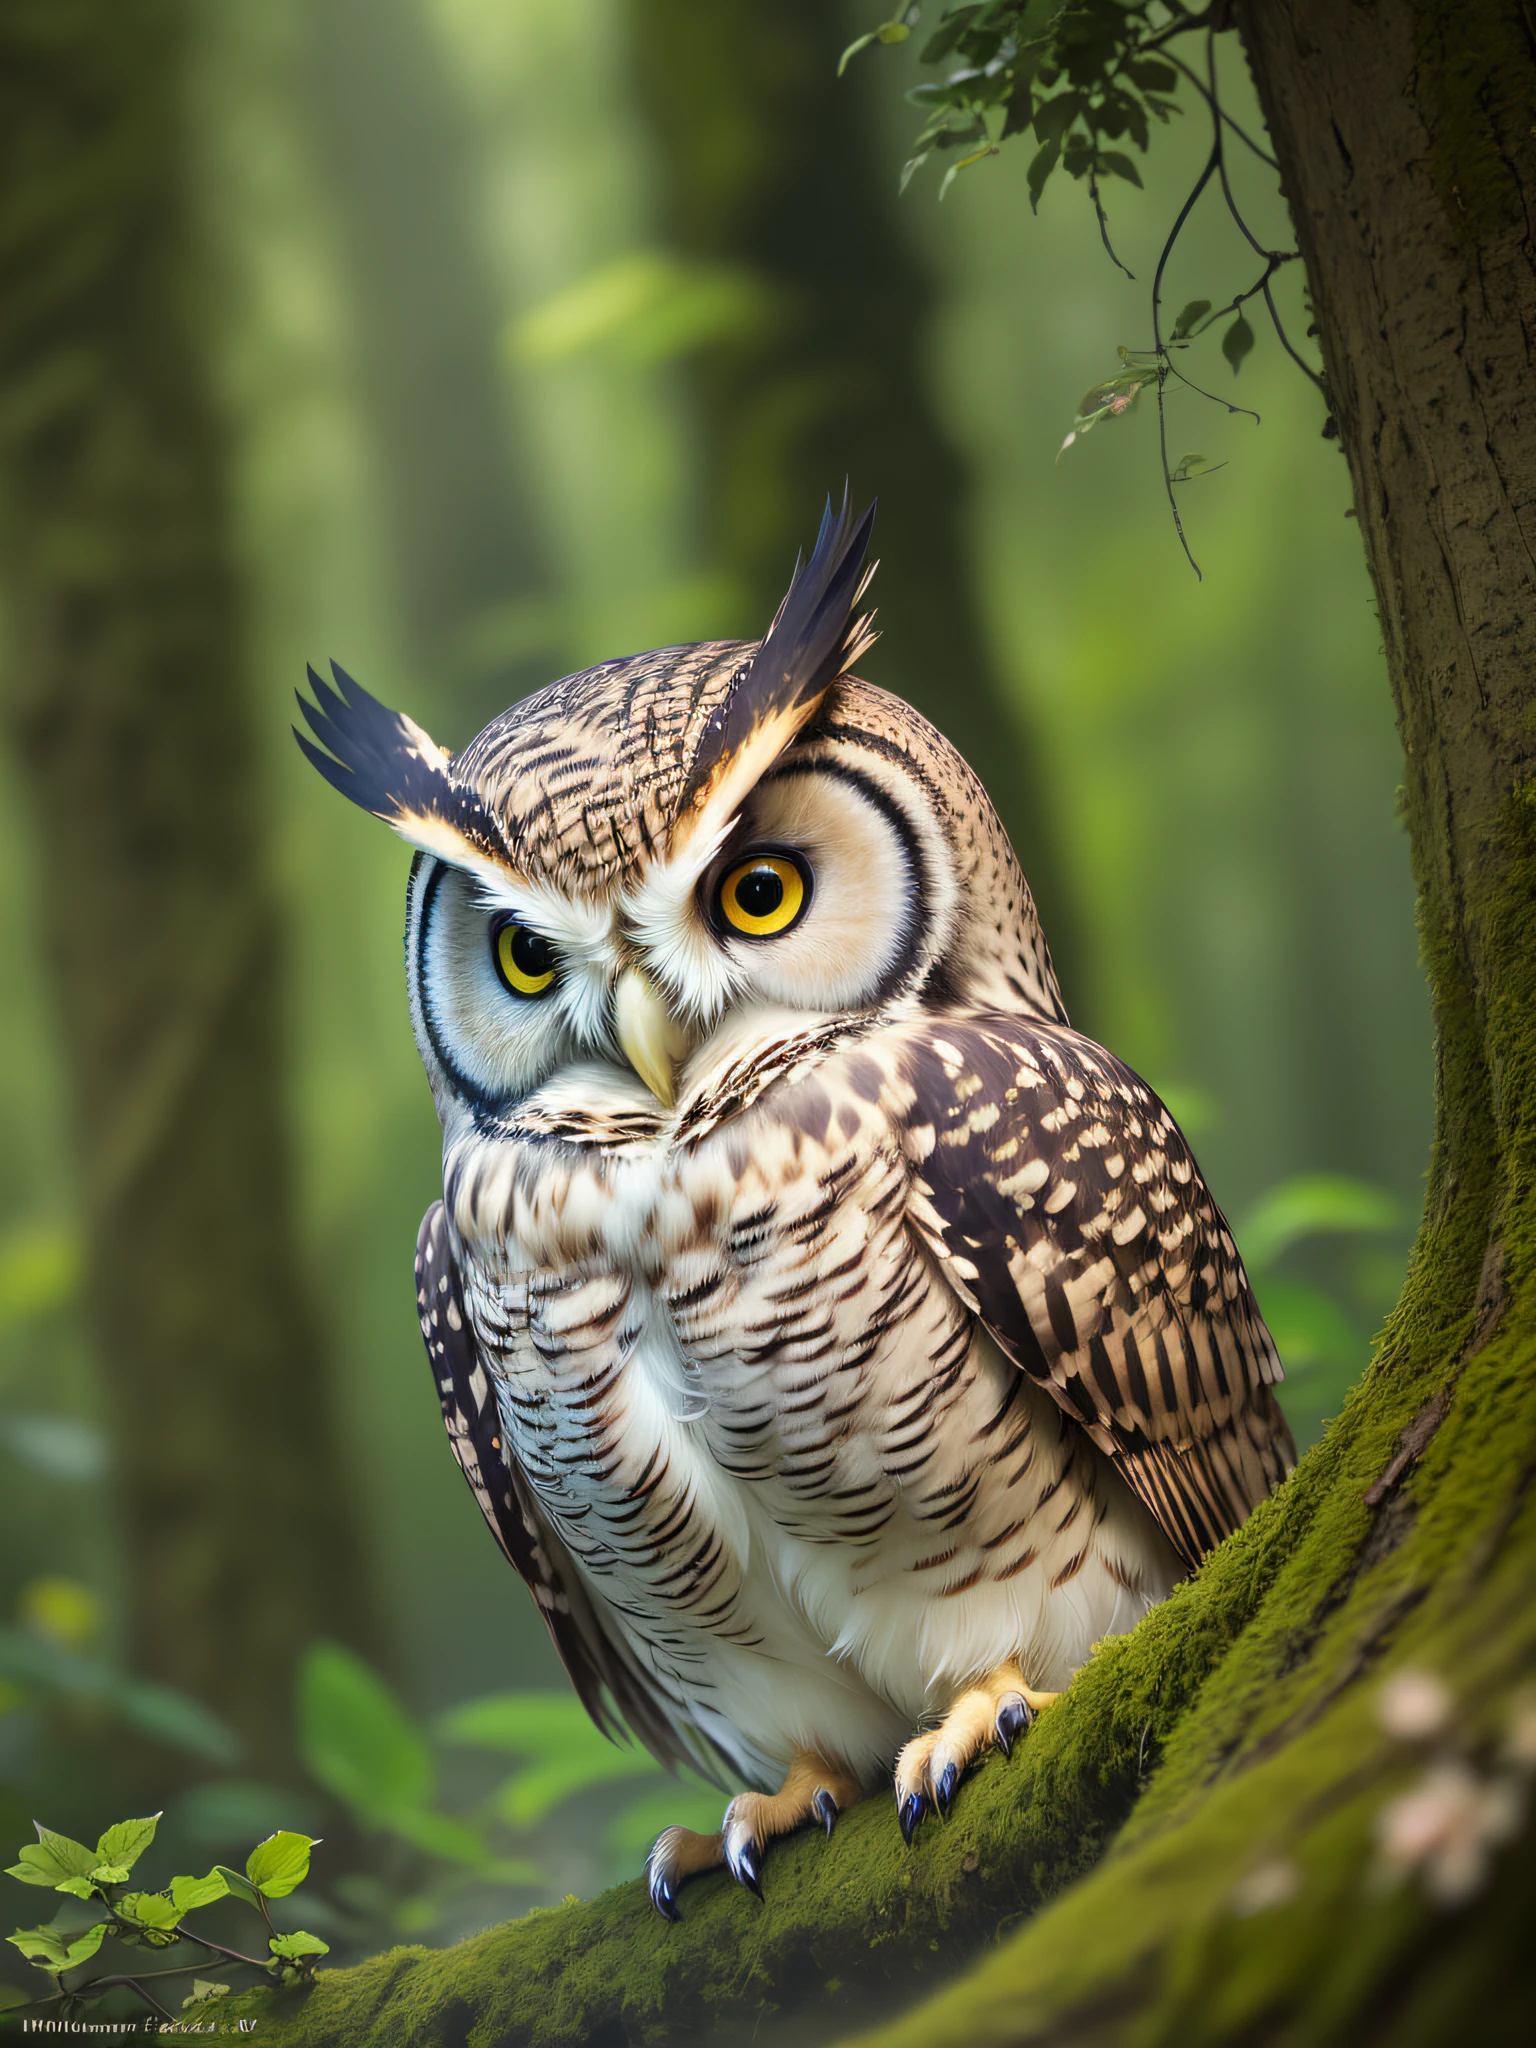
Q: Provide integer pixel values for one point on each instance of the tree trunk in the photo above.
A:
(1237, 1756)
(125, 708)
(771, 164)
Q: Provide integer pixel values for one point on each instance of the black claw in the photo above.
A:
(944, 1790)
(826, 1807)
(909, 1812)
(747, 1867)
(662, 1899)
(1013, 1717)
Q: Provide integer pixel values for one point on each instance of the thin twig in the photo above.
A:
(1214, 396)
(1098, 207)
(1285, 342)
(1241, 133)
(1174, 232)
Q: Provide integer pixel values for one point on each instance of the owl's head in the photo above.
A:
(643, 871)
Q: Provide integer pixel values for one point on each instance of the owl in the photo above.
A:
(837, 1342)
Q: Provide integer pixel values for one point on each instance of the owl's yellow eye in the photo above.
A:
(763, 896)
(525, 960)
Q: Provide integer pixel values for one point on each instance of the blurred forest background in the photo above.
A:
(519, 333)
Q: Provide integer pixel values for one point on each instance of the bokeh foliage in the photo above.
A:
(458, 347)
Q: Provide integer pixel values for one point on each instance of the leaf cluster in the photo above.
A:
(102, 1879)
(1084, 78)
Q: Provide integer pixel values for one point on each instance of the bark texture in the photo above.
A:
(126, 712)
(1231, 1759)
(772, 164)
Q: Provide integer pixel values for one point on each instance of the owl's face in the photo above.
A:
(631, 877)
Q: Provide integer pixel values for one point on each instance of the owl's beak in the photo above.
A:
(652, 1039)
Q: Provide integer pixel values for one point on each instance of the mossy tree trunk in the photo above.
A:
(771, 164)
(1219, 1781)
(125, 709)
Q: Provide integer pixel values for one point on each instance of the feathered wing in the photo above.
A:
(604, 1674)
(1068, 1213)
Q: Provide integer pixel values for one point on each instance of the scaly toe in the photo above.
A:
(678, 1854)
(826, 1809)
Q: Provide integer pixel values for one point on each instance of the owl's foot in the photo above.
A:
(813, 1790)
(992, 1714)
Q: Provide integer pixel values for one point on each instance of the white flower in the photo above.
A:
(1446, 1828)
(1413, 1706)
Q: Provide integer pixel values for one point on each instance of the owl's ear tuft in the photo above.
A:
(813, 641)
(383, 761)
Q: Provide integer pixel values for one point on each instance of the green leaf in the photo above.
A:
(204, 1992)
(52, 1857)
(125, 1842)
(947, 34)
(84, 1946)
(634, 1827)
(152, 1910)
(1151, 75)
(280, 1864)
(12, 1994)
(238, 1885)
(975, 157)
(1309, 1327)
(910, 169)
(41, 1945)
(153, 1709)
(526, 1799)
(77, 1887)
(188, 1893)
(292, 1946)
(1236, 343)
(1190, 466)
(1194, 312)
(175, 1718)
(546, 1725)
(1314, 1205)
(1054, 116)
(357, 1739)
(887, 32)
(1041, 166)
(1115, 163)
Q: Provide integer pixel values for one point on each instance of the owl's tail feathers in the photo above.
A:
(813, 1790)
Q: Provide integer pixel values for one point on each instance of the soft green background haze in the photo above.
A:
(458, 510)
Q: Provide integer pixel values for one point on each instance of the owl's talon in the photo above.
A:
(909, 1811)
(676, 1855)
(1014, 1715)
(827, 1808)
(745, 1863)
(993, 1712)
(944, 1789)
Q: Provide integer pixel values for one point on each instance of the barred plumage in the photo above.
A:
(878, 1350)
